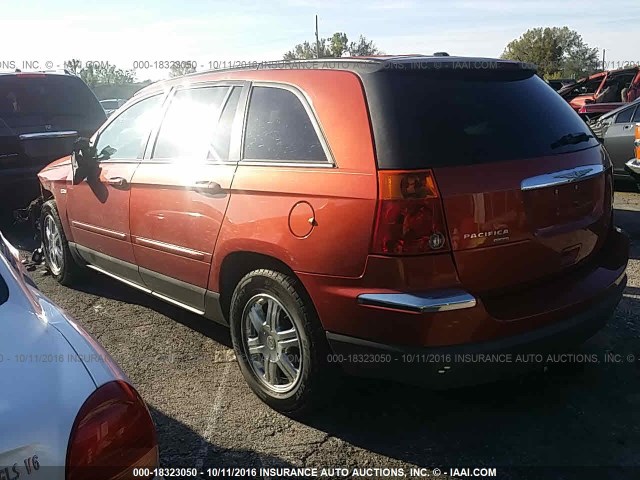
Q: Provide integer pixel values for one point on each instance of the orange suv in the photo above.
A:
(390, 215)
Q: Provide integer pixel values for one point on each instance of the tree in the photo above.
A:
(104, 73)
(363, 48)
(181, 68)
(335, 46)
(74, 65)
(557, 51)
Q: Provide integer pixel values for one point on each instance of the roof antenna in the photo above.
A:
(18, 70)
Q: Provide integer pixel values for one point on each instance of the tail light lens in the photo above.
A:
(112, 434)
(410, 218)
(637, 140)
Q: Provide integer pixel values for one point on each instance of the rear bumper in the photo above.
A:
(473, 363)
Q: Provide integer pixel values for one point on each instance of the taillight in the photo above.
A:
(410, 217)
(637, 141)
(112, 434)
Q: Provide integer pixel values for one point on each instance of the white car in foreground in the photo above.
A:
(67, 411)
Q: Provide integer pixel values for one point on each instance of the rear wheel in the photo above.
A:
(278, 341)
(57, 255)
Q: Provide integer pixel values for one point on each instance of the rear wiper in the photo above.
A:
(571, 139)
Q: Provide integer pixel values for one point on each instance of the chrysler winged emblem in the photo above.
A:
(574, 174)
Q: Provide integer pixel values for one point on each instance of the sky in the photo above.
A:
(212, 33)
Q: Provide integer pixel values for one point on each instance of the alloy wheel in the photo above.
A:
(271, 343)
(53, 245)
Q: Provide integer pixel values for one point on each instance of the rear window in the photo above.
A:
(46, 95)
(448, 118)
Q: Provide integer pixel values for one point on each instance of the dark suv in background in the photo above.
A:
(41, 115)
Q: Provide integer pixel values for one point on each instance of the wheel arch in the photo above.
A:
(235, 265)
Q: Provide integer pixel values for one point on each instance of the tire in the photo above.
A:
(57, 256)
(268, 373)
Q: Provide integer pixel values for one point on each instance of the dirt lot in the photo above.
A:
(206, 417)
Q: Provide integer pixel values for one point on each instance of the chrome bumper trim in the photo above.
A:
(634, 165)
(434, 301)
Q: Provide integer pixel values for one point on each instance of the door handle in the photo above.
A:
(627, 127)
(207, 186)
(117, 181)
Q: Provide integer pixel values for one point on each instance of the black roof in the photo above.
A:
(366, 65)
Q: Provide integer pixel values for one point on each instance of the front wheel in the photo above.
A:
(278, 341)
(57, 255)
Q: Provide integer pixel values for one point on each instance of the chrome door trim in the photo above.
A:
(170, 248)
(562, 177)
(99, 230)
(428, 302)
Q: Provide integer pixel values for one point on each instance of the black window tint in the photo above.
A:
(63, 101)
(124, 138)
(636, 115)
(221, 139)
(624, 116)
(279, 128)
(423, 119)
(189, 124)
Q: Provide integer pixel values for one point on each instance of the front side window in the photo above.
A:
(197, 124)
(279, 128)
(625, 115)
(125, 137)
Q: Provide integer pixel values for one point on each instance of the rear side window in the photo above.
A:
(636, 115)
(45, 97)
(279, 128)
(447, 118)
(198, 124)
(625, 115)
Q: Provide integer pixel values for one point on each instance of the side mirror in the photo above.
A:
(83, 159)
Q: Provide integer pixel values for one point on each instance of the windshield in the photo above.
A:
(459, 118)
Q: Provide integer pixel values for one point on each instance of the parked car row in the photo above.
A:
(362, 211)
(112, 104)
(602, 92)
(616, 130)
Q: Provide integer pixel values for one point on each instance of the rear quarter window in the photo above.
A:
(280, 129)
(432, 119)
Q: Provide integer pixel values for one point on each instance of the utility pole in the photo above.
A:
(603, 62)
(317, 40)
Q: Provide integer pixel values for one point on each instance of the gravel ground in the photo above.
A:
(207, 417)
